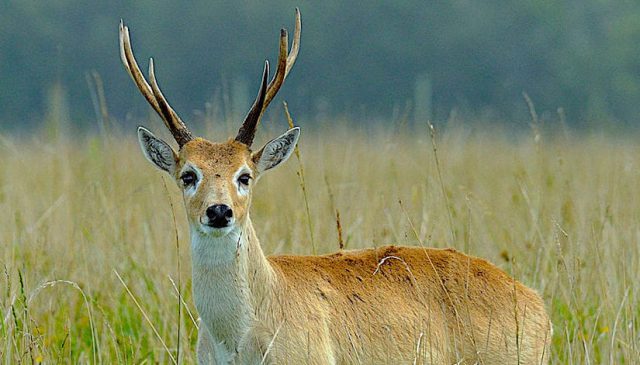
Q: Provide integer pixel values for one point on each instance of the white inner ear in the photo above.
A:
(157, 151)
(278, 150)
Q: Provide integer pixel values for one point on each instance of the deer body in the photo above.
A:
(392, 305)
(386, 305)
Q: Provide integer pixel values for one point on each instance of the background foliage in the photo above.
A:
(368, 61)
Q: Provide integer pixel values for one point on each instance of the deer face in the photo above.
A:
(216, 179)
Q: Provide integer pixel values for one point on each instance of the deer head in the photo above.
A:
(216, 178)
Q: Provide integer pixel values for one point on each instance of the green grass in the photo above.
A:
(562, 215)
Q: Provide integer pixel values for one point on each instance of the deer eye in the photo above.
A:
(244, 179)
(188, 178)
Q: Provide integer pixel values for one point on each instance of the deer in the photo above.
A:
(392, 304)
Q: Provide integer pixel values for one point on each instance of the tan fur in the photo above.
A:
(218, 162)
(386, 305)
(378, 304)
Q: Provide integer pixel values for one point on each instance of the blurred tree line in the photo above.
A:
(362, 60)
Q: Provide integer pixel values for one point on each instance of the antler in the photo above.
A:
(152, 92)
(286, 59)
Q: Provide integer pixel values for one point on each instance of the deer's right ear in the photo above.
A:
(157, 151)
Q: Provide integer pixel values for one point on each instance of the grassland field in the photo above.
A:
(91, 268)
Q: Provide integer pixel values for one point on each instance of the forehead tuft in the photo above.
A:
(206, 153)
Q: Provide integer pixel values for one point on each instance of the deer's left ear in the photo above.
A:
(276, 151)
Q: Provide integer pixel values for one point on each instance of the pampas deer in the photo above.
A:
(394, 305)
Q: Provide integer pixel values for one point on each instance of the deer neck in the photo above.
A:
(232, 283)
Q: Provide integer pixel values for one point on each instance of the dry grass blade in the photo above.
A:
(47, 213)
(270, 346)
(303, 185)
(146, 317)
(177, 240)
(184, 304)
(96, 91)
(535, 121)
(339, 228)
(433, 267)
(332, 202)
(418, 345)
(432, 133)
(94, 338)
(615, 323)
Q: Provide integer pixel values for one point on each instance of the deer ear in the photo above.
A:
(276, 151)
(157, 151)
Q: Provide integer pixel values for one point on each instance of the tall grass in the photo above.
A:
(563, 216)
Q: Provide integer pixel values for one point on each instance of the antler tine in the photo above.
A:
(129, 61)
(286, 60)
(177, 127)
(295, 46)
(281, 70)
(248, 129)
(152, 92)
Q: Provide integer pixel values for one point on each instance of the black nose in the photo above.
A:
(219, 215)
